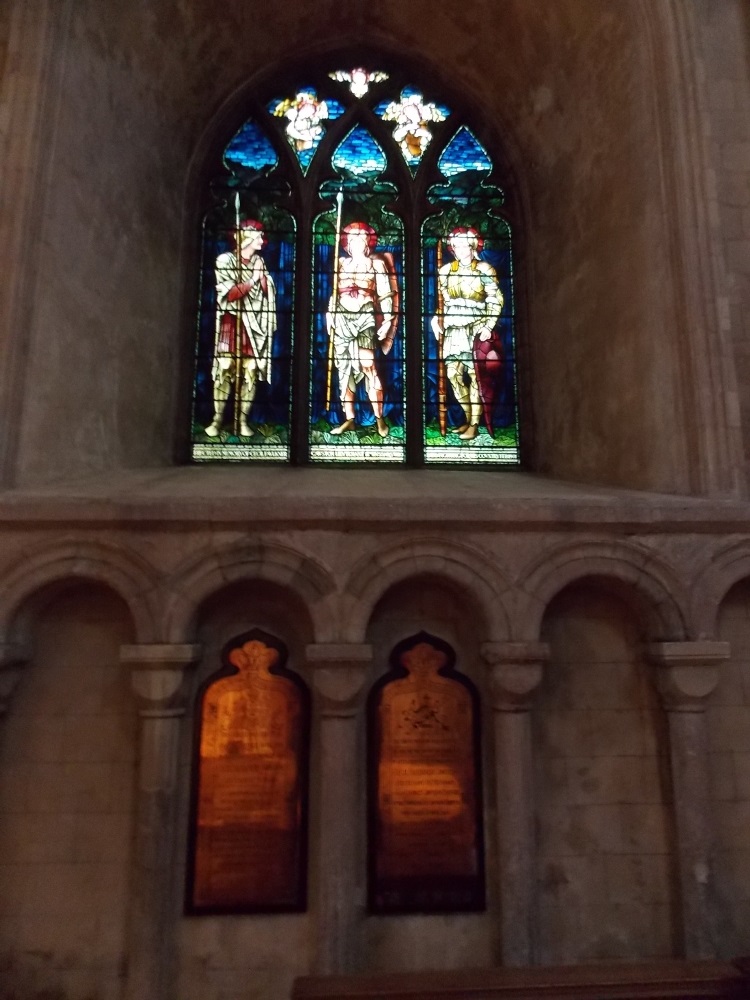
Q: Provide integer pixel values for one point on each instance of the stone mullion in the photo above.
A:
(516, 672)
(339, 673)
(687, 673)
(158, 679)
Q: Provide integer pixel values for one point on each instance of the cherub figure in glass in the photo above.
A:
(304, 114)
(412, 116)
(359, 79)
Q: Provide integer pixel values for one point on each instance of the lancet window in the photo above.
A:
(356, 298)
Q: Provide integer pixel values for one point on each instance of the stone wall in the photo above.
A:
(141, 104)
(122, 575)
(592, 855)
(606, 847)
(729, 735)
(66, 807)
(723, 42)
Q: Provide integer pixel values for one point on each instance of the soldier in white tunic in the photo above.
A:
(471, 305)
(245, 305)
(360, 316)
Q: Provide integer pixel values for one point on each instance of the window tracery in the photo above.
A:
(356, 293)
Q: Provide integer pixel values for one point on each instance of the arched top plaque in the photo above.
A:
(250, 790)
(425, 802)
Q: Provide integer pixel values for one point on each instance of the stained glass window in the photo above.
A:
(356, 299)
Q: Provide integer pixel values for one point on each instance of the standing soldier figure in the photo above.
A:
(361, 315)
(245, 324)
(471, 306)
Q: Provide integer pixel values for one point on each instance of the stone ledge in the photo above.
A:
(656, 980)
(311, 497)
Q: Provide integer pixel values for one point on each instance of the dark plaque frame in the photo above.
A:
(294, 899)
(459, 777)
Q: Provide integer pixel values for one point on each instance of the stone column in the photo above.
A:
(13, 657)
(687, 673)
(516, 672)
(339, 675)
(158, 679)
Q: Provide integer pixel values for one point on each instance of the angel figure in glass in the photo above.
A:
(304, 113)
(412, 115)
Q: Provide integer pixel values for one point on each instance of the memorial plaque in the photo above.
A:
(249, 816)
(426, 850)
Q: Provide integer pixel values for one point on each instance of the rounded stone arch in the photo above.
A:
(632, 571)
(196, 580)
(46, 569)
(727, 567)
(456, 565)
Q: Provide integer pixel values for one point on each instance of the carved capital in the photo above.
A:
(339, 672)
(687, 672)
(517, 669)
(13, 657)
(158, 676)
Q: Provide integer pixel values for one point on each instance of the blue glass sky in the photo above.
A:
(464, 152)
(359, 153)
(251, 148)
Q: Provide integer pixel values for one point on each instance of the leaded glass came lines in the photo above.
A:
(398, 347)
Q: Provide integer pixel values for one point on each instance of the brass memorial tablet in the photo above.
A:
(249, 833)
(425, 808)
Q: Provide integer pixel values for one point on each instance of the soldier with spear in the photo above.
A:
(469, 306)
(245, 324)
(362, 314)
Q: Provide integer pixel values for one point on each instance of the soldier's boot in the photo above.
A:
(472, 430)
(220, 402)
(461, 392)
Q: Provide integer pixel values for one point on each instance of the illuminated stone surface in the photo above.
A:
(626, 127)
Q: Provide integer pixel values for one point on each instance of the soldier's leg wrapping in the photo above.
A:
(247, 394)
(455, 369)
(474, 411)
(222, 374)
